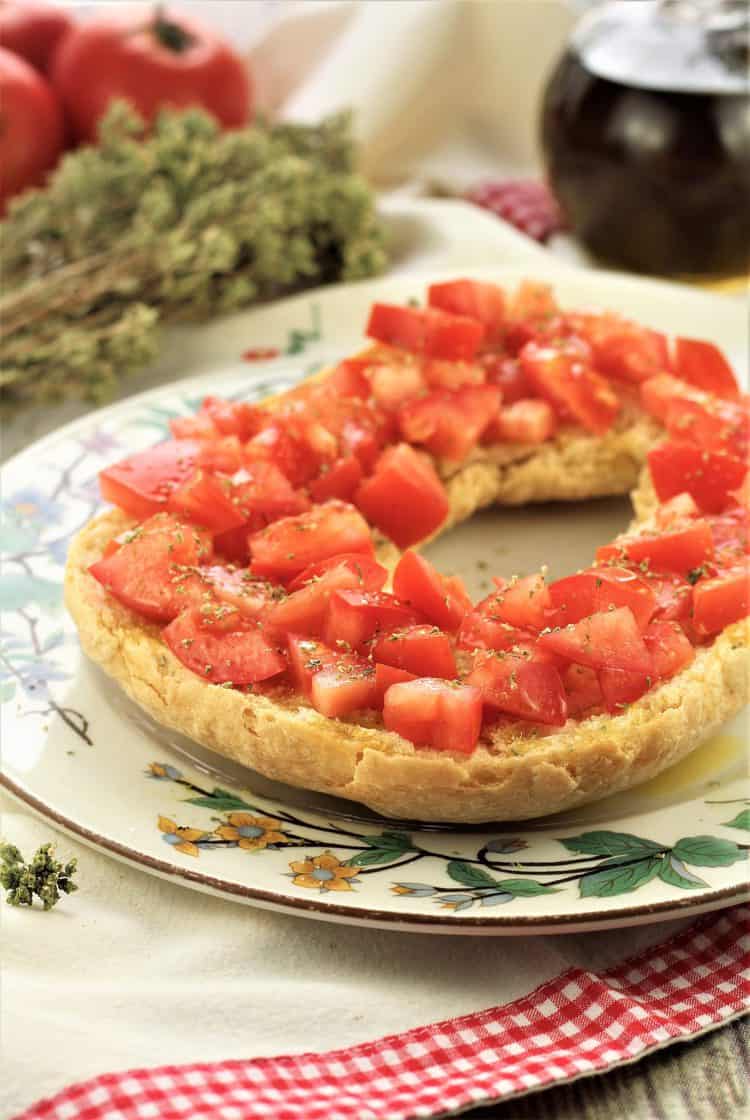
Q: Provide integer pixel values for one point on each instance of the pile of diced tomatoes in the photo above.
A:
(254, 546)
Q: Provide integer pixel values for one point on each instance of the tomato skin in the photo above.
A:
(506, 373)
(348, 685)
(33, 133)
(669, 647)
(562, 374)
(274, 444)
(307, 656)
(222, 646)
(33, 31)
(679, 551)
(523, 602)
(341, 480)
(480, 631)
(702, 364)
(233, 418)
(354, 617)
(434, 713)
(708, 476)
(477, 300)
(575, 597)
(122, 56)
(288, 546)
(620, 688)
(349, 378)
(524, 421)
(424, 651)
(404, 496)
(523, 687)
(447, 423)
(425, 331)
(720, 425)
(206, 501)
(304, 611)
(719, 602)
(605, 640)
(622, 349)
(142, 483)
(151, 572)
(385, 676)
(441, 600)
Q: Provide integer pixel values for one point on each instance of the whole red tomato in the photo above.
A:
(32, 30)
(164, 59)
(32, 132)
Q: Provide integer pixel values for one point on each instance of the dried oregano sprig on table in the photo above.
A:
(179, 224)
(44, 876)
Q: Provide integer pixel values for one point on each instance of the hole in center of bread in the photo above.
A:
(513, 540)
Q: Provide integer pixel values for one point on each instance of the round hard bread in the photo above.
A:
(518, 772)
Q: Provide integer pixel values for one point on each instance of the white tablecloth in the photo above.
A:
(134, 971)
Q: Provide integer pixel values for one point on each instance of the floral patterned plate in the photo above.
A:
(76, 751)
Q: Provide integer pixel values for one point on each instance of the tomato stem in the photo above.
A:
(169, 33)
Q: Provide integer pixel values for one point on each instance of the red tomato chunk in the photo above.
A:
(424, 651)
(605, 640)
(562, 374)
(289, 545)
(484, 302)
(443, 600)
(435, 713)
(719, 602)
(523, 602)
(521, 686)
(141, 484)
(356, 616)
(597, 589)
(426, 331)
(223, 646)
(708, 476)
(404, 497)
(703, 364)
(153, 570)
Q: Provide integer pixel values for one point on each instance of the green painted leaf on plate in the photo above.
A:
(221, 799)
(605, 843)
(619, 878)
(525, 888)
(708, 851)
(742, 820)
(674, 872)
(373, 856)
(469, 874)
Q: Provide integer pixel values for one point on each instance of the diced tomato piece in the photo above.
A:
(605, 640)
(385, 676)
(424, 650)
(365, 442)
(442, 600)
(598, 589)
(506, 373)
(193, 427)
(682, 507)
(207, 500)
(477, 300)
(356, 616)
(251, 596)
(730, 532)
(304, 611)
(261, 488)
(673, 598)
(370, 575)
(521, 686)
(426, 331)
(395, 382)
(152, 572)
(481, 631)
(622, 349)
(233, 418)
(223, 454)
(435, 713)
(562, 374)
(222, 646)
(679, 551)
(306, 658)
(404, 498)
(232, 545)
(141, 484)
(620, 688)
(348, 685)
(582, 689)
(532, 301)
(340, 480)
(703, 364)
(523, 602)
(709, 476)
(452, 375)
(717, 424)
(525, 421)
(295, 460)
(449, 424)
(669, 647)
(349, 379)
(719, 602)
(290, 545)
(659, 393)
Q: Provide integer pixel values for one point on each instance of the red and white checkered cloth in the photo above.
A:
(577, 1024)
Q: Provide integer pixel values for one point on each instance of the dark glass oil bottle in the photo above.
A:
(646, 136)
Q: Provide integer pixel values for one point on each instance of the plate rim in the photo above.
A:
(499, 925)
